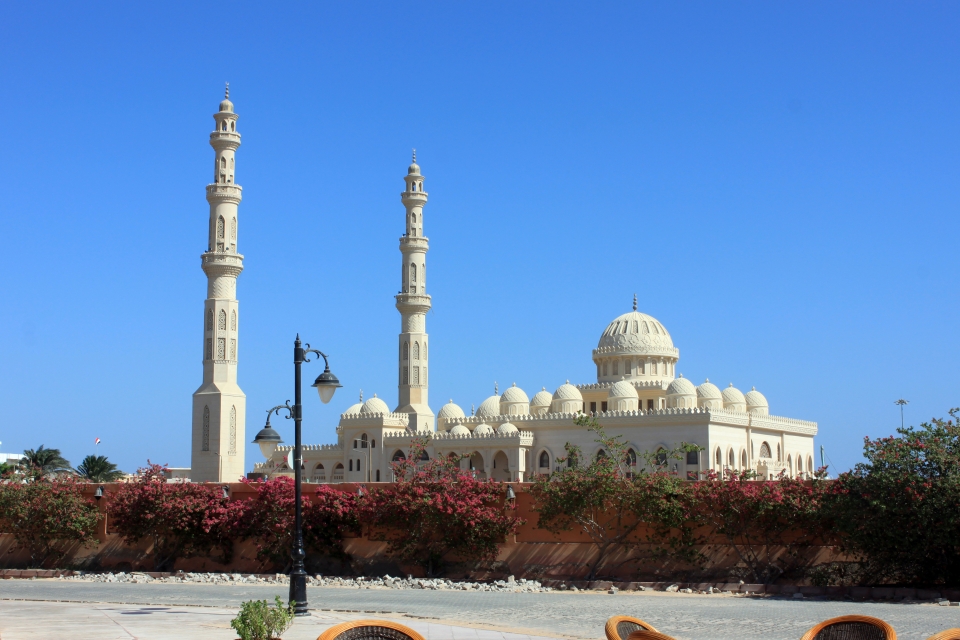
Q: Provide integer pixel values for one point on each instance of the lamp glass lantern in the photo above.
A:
(268, 439)
(326, 385)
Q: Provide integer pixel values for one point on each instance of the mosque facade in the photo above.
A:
(512, 437)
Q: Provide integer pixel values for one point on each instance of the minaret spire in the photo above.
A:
(413, 303)
(219, 405)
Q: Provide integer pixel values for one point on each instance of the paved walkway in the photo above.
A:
(48, 620)
(556, 614)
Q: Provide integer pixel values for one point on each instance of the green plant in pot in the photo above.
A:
(258, 620)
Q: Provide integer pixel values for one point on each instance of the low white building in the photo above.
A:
(637, 395)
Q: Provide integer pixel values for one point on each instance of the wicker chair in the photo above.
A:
(370, 630)
(620, 627)
(646, 634)
(949, 634)
(851, 628)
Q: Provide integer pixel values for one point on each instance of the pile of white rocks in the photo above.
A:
(511, 584)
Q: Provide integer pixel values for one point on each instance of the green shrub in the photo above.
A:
(257, 620)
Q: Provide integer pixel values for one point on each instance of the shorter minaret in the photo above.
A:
(413, 302)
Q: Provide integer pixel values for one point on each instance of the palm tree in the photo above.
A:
(99, 469)
(44, 461)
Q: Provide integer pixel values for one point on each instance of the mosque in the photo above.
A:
(510, 436)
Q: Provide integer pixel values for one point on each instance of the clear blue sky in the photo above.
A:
(777, 181)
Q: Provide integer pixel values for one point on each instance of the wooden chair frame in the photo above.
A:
(333, 632)
(610, 629)
(877, 622)
(947, 634)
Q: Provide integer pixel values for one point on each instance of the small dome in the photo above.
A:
(567, 391)
(681, 387)
(450, 411)
(542, 398)
(507, 429)
(489, 407)
(482, 429)
(709, 391)
(623, 389)
(459, 430)
(756, 402)
(414, 168)
(514, 394)
(732, 397)
(375, 405)
(226, 107)
(353, 409)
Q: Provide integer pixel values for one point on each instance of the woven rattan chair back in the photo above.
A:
(620, 627)
(370, 630)
(948, 634)
(646, 634)
(851, 628)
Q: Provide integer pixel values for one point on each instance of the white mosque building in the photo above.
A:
(511, 437)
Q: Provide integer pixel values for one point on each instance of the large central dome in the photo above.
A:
(636, 333)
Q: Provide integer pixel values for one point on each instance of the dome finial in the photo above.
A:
(473, 409)
(634, 302)
(226, 93)
(496, 388)
(361, 396)
(414, 156)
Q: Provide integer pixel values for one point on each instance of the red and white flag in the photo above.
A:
(98, 440)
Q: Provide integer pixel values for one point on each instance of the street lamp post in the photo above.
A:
(325, 384)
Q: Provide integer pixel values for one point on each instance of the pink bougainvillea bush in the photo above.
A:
(181, 519)
(46, 516)
(437, 511)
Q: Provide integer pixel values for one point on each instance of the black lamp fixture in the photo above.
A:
(267, 438)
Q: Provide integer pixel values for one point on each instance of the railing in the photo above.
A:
(319, 478)
(337, 477)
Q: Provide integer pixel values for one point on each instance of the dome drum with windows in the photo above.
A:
(635, 346)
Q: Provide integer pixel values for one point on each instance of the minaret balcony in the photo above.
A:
(217, 263)
(413, 302)
(414, 197)
(414, 243)
(219, 192)
(224, 139)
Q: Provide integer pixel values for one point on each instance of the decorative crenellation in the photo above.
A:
(639, 384)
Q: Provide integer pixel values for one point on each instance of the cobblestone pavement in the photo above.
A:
(579, 615)
(30, 620)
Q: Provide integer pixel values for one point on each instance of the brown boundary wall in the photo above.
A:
(532, 553)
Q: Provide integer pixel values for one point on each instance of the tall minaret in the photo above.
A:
(219, 406)
(413, 304)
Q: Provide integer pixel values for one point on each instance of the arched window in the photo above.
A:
(209, 319)
(616, 367)
(631, 458)
(223, 126)
(373, 444)
(809, 464)
(661, 457)
(223, 162)
(420, 186)
(544, 460)
(233, 228)
(378, 475)
(778, 454)
(641, 367)
(718, 458)
(351, 469)
(653, 368)
(799, 464)
(765, 450)
(601, 454)
(424, 456)
(406, 348)
(627, 367)
(233, 321)
(233, 126)
(604, 368)
(743, 459)
(222, 320)
(416, 350)
(220, 227)
(358, 464)
(398, 456)
(413, 273)
(730, 459)
(205, 436)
